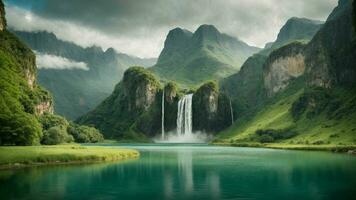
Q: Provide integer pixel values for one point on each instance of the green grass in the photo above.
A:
(14, 156)
(327, 121)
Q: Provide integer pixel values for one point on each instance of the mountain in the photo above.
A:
(297, 29)
(22, 100)
(309, 91)
(193, 58)
(77, 90)
(246, 87)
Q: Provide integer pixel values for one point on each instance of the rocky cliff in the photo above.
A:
(2, 17)
(282, 66)
(211, 111)
(132, 107)
(330, 57)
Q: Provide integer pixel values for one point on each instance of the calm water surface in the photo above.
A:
(192, 172)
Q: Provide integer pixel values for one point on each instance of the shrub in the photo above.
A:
(84, 134)
(50, 120)
(266, 139)
(56, 135)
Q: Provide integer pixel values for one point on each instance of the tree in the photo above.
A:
(19, 129)
(56, 135)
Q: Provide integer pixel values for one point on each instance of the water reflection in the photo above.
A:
(191, 173)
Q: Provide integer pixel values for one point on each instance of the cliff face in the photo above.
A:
(211, 111)
(282, 66)
(2, 17)
(331, 56)
(139, 90)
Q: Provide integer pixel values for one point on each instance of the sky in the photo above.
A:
(139, 27)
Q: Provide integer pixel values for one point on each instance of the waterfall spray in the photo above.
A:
(232, 113)
(163, 97)
(184, 115)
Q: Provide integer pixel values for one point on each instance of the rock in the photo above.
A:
(211, 111)
(140, 88)
(2, 16)
(330, 56)
(282, 66)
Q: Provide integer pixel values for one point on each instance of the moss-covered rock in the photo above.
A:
(132, 110)
(210, 109)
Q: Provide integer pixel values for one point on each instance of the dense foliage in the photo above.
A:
(58, 130)
(18, 123)
(84, 134)
(56, 135)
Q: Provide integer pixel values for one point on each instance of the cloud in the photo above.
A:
(47, 61)
(140, 27)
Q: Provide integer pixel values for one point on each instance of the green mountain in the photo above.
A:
(308, 91)
(297, 29)
(193, 58)
(246, 88)
(77, 91)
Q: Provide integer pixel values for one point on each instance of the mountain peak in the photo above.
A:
(297, 29)
(206, 28)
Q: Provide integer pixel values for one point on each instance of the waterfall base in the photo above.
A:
(187, 138)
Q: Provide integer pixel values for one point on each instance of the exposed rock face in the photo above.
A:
(2, 16)
(210, 109)
(171, 98)
(282, 66)
(30, 77)
(331, 55)
(139, 89)
(44, 107)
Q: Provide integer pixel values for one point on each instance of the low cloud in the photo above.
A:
(139, 27)
(47, 61)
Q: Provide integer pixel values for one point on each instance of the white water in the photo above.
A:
(163, 97)
(232, 113)
(184, 132)
(184, 116)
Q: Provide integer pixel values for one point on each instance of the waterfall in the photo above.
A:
(163, 97)
(184, 115)
(232, 113)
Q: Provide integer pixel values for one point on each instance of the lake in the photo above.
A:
(192, 172)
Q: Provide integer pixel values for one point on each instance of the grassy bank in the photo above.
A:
(19, 156)
(327, 147)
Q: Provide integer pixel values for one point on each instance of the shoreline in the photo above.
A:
(350, 149)
(15, 157)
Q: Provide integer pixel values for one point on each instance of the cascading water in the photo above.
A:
(232, 113)
(163, 97)
(184, 116)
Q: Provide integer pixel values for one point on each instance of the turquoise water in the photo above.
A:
(192, 172)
